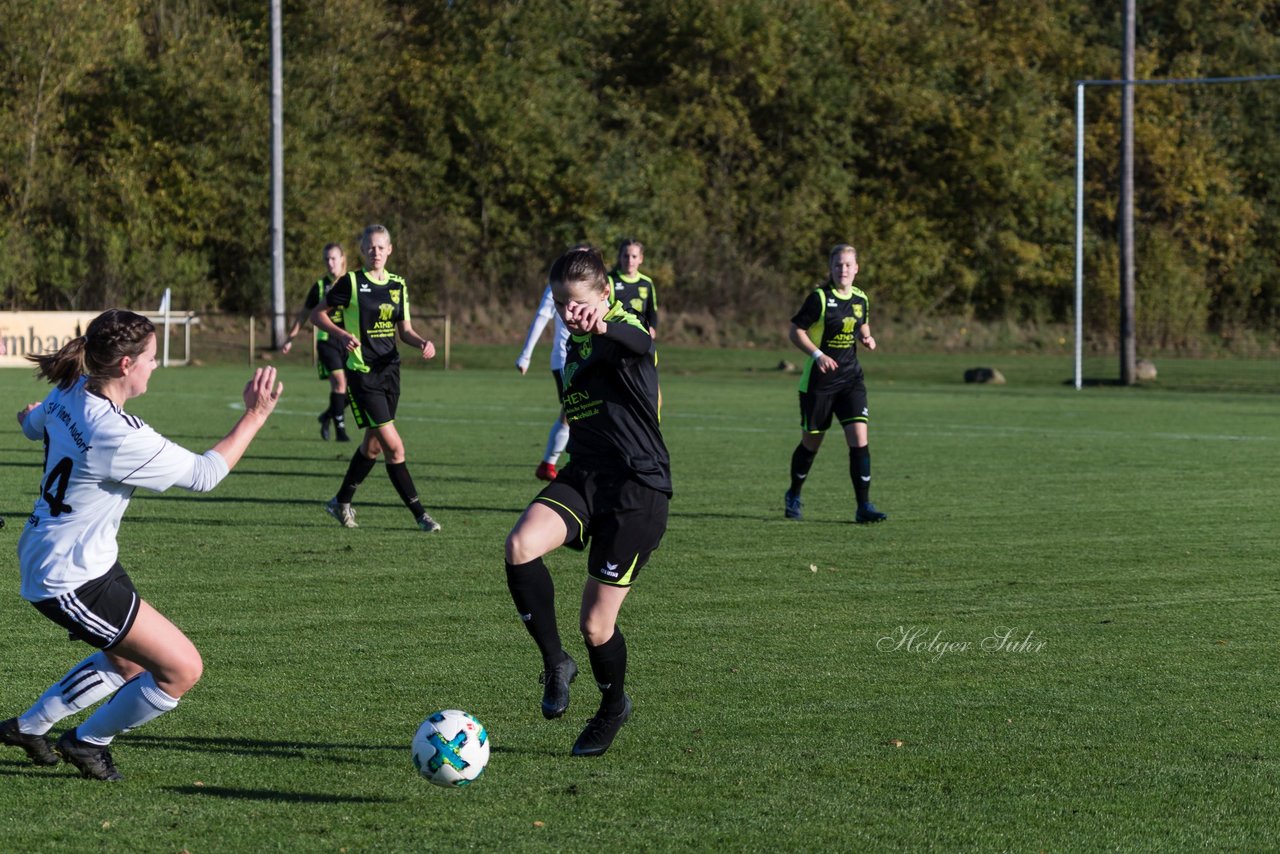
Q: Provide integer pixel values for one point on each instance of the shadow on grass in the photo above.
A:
(1095, 382)
(274, 796)
(259, 747)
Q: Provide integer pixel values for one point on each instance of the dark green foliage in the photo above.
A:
(738, 140)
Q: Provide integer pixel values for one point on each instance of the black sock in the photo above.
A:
(403, 482)
(860, 473)
(801, 462)
(534, 594)
(337, 403)
(609, 667)
(357, 471)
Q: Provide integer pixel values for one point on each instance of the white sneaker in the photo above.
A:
(344, 513)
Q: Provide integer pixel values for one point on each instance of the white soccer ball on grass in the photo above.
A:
(451, 748)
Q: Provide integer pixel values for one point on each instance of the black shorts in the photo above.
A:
(622, 519)
(374, 396)
(329, 358)
(99, 612)
(848, 405)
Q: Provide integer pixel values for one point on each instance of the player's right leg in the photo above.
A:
(364, 409)
(815, 418)
(540, 530)
(91, 680)
(338, 403)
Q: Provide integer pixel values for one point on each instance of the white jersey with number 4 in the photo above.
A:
(96, 455)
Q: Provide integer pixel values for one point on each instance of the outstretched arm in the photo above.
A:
(260, 396)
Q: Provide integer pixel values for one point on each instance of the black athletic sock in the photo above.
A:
(337, 403)
(860, 473)
(801, 462)
(609, 667)
(403, 482)
(534, 595)
(357, 471)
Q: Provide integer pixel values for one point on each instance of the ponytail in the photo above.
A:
(111, 336)
(63, 367)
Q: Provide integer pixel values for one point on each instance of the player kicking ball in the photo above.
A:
(611, 500)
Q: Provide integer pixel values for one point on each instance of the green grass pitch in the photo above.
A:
(1064, 638)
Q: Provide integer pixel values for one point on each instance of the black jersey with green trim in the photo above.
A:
(610, 398)
(638, 295)
(832, 322)
(372, 311)
(315, 296)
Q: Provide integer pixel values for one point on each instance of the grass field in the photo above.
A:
(1064, 639)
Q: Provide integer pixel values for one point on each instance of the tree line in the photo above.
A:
(737, 139)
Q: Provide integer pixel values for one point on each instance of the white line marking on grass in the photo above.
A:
(950, 430)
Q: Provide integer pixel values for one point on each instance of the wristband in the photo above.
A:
(816, 354)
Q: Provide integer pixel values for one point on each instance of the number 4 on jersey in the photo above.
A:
(55, 487)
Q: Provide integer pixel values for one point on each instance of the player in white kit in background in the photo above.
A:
(558, 436)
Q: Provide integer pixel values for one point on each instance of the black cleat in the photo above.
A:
(92, 760)
(38, 747)
(324, 425)
(868, 513)
(555, 697)
(791, 505)
(601, 730)
(340, 432)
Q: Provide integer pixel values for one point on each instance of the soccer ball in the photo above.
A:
(451, 748)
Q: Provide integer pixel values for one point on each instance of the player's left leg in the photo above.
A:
(860, 472)
(387, 438)
(622, 541)
(607, 651)
(557, 437)
(852, 412)
(171, 666)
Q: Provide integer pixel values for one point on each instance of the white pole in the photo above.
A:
(164, 304)
(277, 181)
(1079, 233)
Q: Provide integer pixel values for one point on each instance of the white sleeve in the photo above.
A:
(33, 424)
(147, 459)
(546, 311)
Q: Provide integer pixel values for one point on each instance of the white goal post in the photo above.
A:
(1080, 88)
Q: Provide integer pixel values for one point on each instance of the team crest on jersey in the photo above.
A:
(585, 349)
(857, 311)
(395, 296)
(643, 290)
(569, 370)
(637, 305)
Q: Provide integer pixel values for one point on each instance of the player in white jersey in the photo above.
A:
(96, 455)
(558, 436)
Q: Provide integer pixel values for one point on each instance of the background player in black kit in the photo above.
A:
(633, 289)
(330, 358)
(826, 328)
(375, 310)
(613, 495)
